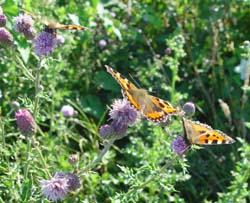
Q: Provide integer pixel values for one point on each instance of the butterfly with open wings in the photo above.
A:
(153, 108)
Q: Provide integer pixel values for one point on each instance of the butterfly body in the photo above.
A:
(199, 133)
(153, 108)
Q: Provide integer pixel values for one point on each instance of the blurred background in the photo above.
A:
(179, 51)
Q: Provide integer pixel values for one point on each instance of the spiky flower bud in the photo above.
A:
(180, 145)
(25, 122)
(73, 159)
(3, 20)
(6, 37)
(68, 111)
(189, 108)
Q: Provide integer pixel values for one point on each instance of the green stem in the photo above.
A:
(37, 88)
(95, 161)
(45, 167)
(26, 169)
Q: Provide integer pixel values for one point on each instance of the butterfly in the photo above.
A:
(153, 108)
(199, 133)
(51, 26)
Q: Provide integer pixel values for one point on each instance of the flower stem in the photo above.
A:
(95, 161)
(26, 169)
(37, 88)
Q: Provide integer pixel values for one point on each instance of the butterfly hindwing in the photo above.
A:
(199, 133)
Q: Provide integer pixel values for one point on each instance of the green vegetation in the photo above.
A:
(179, 51)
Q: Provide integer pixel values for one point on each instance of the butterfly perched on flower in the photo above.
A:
(153, 108)
(199, 133)
(51, 26)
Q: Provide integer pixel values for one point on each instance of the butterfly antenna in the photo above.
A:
(29, 13)
(134, 81)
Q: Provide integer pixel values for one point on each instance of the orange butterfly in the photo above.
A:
(51, 26)
(153, 108)
(199, 133)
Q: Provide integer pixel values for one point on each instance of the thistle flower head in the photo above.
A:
(106, 131)
(59, 185)
(25, 122)
(189, 108)
(180, 145)
(56, 188)
(123, 113)
(44, 43)
(3, 20)
(119, 128)
(24, 24)
(6, 37)
(68, 111)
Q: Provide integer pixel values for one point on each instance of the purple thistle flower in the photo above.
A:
(25, 122)
(180, 145)
(102, 43)
(68, 111)
(189, 108)
(24, 24)
(59, 39)
(73, 181)
(6, 37)
(44, 43)
(3, 20)
(119, 128)
(56, 188)
(105, 131)
(123, 113)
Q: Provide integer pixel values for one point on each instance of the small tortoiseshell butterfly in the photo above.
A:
(51, 26)
(153, 108)
(199, 133)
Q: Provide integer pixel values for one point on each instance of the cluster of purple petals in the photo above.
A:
(180, 145)
(59, 185)
(122, 115)
(24, 24)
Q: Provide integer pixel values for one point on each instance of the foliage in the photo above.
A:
(179, 50)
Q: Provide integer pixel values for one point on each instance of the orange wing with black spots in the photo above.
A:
(153, 108)
(199, 133)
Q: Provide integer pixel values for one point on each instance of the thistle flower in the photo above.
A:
(25, 122)
(3, 20)
(102, 43)
(68, 111)
(180, 145)
(189, 108)
(44, 43)
(6, 37)
(59, 185)
(119, 128)
(24, 24)
(123, 113)
(56, 188)
(106, 131)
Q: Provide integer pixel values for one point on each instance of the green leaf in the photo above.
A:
(105, 81)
